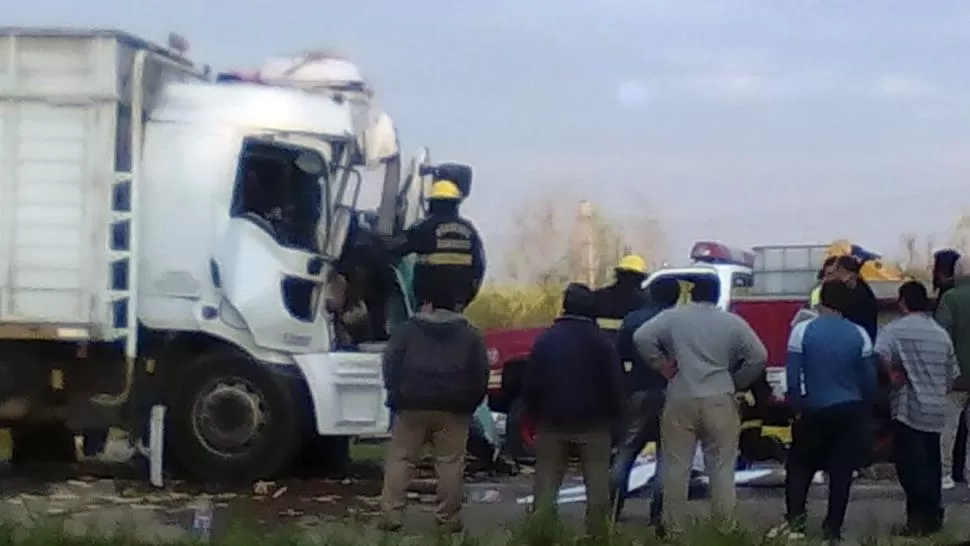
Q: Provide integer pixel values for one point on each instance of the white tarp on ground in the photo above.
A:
(643, 469)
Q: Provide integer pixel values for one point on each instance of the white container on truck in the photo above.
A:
(169, 240)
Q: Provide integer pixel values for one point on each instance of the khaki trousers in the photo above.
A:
(715, 422)
(956, 404)
(553, 449)
(410, 432)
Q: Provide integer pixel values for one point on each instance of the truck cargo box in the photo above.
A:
(65, 161)
(787, 270)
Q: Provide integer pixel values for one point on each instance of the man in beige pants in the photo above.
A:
(573, 390)
(708, 354)
(436, 375)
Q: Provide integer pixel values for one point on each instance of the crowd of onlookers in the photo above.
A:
(673, 373)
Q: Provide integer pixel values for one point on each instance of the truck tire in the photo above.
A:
(234, 420)
(519, 434)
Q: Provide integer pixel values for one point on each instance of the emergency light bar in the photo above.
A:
(227, 77)
(713, 252)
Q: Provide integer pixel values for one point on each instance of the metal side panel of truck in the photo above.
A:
(64, 124)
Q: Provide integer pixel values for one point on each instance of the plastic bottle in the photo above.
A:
(202, 520)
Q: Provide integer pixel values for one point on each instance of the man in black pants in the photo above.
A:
(944, 263)
(918, 356)
(831, 378)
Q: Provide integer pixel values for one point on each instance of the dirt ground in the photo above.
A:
(87, 502)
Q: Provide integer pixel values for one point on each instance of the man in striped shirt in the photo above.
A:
(918, 355)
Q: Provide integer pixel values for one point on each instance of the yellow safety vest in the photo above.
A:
(816, 297)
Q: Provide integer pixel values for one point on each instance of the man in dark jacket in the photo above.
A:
(573, 390)
(646, 387)
(436, 375)
(953, 314)
(862, 308)
(944, 263)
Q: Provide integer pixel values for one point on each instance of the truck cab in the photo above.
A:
(198, 229)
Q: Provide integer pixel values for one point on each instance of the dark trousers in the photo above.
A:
(833, 439)
(643, 428)
(960, 450)
(917, 457)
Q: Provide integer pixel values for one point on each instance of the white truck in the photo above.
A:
(167, 241)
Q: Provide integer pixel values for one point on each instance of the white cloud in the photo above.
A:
(631, 94)
(900, 86)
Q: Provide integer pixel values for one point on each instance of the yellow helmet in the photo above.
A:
(445, 189)
(633, 263)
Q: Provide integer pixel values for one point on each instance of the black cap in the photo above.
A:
(579, 300)
(945, 259)
(849, 263)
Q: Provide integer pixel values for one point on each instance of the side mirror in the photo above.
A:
(350, 180)
(380, 141)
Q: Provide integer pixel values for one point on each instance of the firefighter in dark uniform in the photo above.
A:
(625, 295)
(613, 303)
(448, 249)
(753, 444)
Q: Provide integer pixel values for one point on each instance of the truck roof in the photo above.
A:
(119, 35)
(255, 106)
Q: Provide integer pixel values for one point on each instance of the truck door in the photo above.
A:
(412, 199)
(267, 261)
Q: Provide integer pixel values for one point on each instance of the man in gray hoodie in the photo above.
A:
(436, 375)
(707, 355)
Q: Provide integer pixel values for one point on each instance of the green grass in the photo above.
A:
(368, 452)
(525, 533)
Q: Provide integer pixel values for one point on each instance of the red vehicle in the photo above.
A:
(509, 349)
(770, 315)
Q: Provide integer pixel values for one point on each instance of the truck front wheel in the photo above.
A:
(234, 420)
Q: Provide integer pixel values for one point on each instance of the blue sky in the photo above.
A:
(784, 121)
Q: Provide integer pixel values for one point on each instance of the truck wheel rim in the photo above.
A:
(228, 416)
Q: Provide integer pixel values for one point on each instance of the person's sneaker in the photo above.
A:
(948, 483)
(786, 531)
(818, 478)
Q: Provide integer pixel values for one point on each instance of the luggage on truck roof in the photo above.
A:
(873, 266)
(315, 70)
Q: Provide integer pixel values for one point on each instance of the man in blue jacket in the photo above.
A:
(573, 390)
(831, 378)
(646, 387)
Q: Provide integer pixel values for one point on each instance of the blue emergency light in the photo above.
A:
(712, 252)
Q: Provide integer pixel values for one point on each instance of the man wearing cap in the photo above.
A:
(573, 390)
(450, 256)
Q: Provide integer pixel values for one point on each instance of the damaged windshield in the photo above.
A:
(274, 190)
